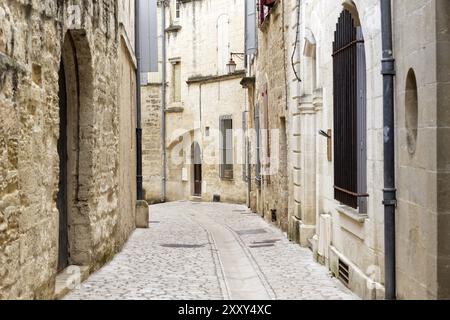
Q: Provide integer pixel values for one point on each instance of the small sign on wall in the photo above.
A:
(184, 175)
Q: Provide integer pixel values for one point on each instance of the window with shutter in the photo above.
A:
(226, 147)
(251, 39)
(350, 156)
(223, 43)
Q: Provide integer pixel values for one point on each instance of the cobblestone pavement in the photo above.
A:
(196, 251)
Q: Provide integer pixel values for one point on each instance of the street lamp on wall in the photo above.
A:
(231, 65)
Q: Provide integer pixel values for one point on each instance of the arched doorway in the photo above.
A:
(75, 142)
(196, 160)
(62, 205)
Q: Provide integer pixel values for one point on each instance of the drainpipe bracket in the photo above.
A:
(388, 66)
(390, 197)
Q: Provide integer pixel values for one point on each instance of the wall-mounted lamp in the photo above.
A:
(231, 66)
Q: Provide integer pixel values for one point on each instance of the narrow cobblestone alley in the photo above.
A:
(196, 251)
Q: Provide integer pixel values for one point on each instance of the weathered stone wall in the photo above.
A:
(127, 123)
(443, 154)
(271, 79)
(151, 141)
(33, 37)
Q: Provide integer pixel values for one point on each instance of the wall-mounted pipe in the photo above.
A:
(163, 104)
(389, 192)
(139, 179)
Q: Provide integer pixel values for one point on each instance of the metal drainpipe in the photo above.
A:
(139, 180)
(390, 198)
(163, 104)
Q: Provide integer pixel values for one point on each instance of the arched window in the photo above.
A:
(223, 43)
(411, 111)
(350, 154)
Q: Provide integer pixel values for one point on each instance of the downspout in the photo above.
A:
(139, 180)
(389, 192)
(163, 103)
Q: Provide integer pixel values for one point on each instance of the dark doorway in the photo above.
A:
(197, 162)
(62, 203)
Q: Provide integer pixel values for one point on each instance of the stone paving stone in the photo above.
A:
(152, 267)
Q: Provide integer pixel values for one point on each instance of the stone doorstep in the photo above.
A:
(196, 199)
(69, 279)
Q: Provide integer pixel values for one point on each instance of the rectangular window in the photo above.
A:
(226, 147)
(176, 82)
(177, 9)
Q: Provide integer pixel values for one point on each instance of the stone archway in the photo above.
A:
(75, 148)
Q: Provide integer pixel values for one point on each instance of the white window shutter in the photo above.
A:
(251, 41)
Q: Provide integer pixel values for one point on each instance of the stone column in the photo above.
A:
(307, 177)
(304, 148)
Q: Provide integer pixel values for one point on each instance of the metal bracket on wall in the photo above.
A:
(328, 135)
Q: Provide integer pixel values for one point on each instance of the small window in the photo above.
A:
(177, 9)
(176, 82)
(226, 145)
(411, 111)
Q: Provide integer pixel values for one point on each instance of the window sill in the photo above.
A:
(173, 28)
(175, 107)
(352, 214)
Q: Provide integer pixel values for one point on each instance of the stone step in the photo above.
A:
(69, 279)
(196, 199)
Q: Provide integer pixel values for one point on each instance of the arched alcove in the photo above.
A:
(75, 148)
(411, 111)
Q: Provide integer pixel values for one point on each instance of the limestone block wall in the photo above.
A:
(271, 67)
(151, 142)
(33, 37)
(421, 45)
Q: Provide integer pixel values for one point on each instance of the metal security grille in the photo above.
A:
(348, 135)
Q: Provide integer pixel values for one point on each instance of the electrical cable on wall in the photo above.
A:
(296, 44)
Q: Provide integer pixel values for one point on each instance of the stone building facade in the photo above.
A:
(67, 75)
(200, 95)
(345, 229)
